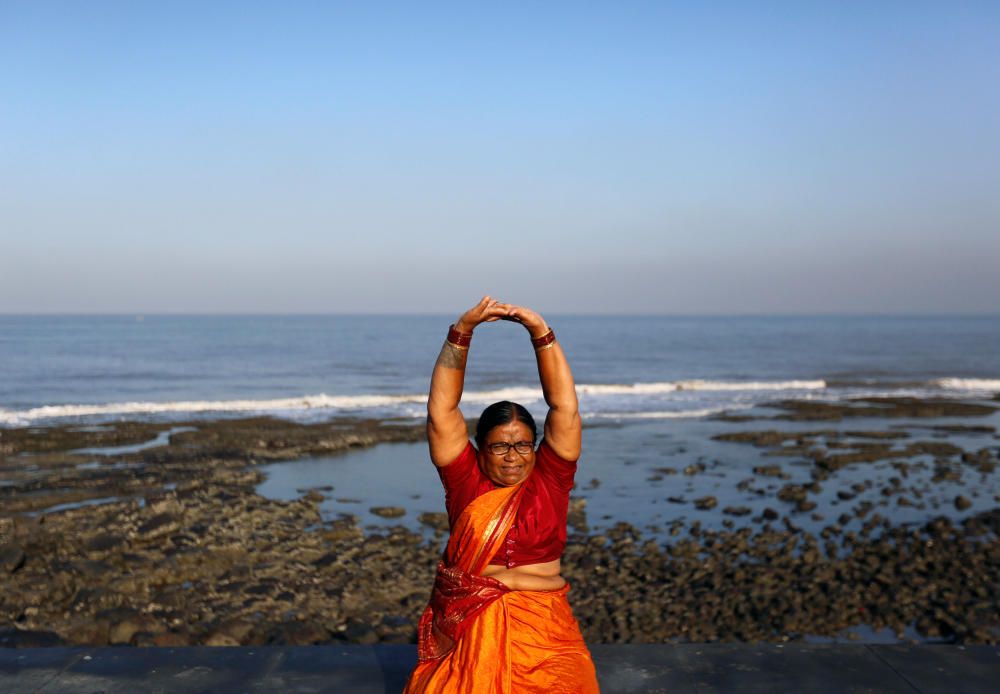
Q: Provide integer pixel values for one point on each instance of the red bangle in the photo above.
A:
(459, 339)
(544, 341)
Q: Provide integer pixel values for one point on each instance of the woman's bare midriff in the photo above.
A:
(543, 576)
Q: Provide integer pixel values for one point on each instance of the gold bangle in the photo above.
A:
(464, 348)
(545, 347)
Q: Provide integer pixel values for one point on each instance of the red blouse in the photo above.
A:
(539, 531)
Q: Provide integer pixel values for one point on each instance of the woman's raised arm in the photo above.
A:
(447, 434)
(562, 424)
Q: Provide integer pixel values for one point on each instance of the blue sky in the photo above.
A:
(612, 157)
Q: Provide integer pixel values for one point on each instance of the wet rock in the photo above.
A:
(388, 511)
(233, 632)
(360, 631)
(983, 460)
(235, 554)
(103, 542)
(792, 492)
(757, 438)
(221, 640)
(172, 639)
(769, 471)
(705, 503)
(881, 407)
(158, 526)
(29, 638)
(88, 632)
(12, 558)
(394, 629)
(737, 510)
(304, 633)
(7, 529)
(437, 521)
(877, 434)
(126, 622)
(577, 514)
(962, 503)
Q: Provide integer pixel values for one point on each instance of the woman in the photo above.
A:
(498, 618)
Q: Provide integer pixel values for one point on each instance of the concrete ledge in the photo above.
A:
(621, 668)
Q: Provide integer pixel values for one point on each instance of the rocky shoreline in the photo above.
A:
(185, 552)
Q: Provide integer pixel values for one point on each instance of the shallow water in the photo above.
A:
(391, 474)
(161, 439)
(624, 460)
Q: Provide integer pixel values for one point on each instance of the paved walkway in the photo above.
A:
(621, 668)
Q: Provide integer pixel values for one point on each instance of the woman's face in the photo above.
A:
(511, 467)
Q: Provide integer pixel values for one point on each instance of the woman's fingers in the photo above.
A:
(515, 313)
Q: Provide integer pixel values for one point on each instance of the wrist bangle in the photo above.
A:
(545, 341)
(458, 339)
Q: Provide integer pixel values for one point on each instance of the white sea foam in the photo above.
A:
(637, 395)
(680, 414)
(673, 386)
(306, 402)
(968, 383)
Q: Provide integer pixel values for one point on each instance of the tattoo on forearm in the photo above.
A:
(452, 357)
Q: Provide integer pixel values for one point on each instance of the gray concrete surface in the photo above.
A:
(621, 669)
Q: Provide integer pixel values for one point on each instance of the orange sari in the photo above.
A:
(477, 635)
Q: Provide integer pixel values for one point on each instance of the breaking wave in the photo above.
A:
(656, 400)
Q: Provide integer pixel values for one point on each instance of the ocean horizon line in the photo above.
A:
(438, 314)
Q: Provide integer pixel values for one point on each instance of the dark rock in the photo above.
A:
(962, 503)
(359, 631)
(12, 558)
(326, 559)
(27, 638)
(233, 632)
(305, 633)
(89, 632)
(158, 526)
(127, 622)
(172, 639)
(388, 511)
(103, 542)
(577, 514)
(90, 569)
(435, 520)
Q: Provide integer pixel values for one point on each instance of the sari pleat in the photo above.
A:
(477, 635)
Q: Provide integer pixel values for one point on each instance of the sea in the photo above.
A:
(90, 368)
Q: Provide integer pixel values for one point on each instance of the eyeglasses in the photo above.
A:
(502, 447)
